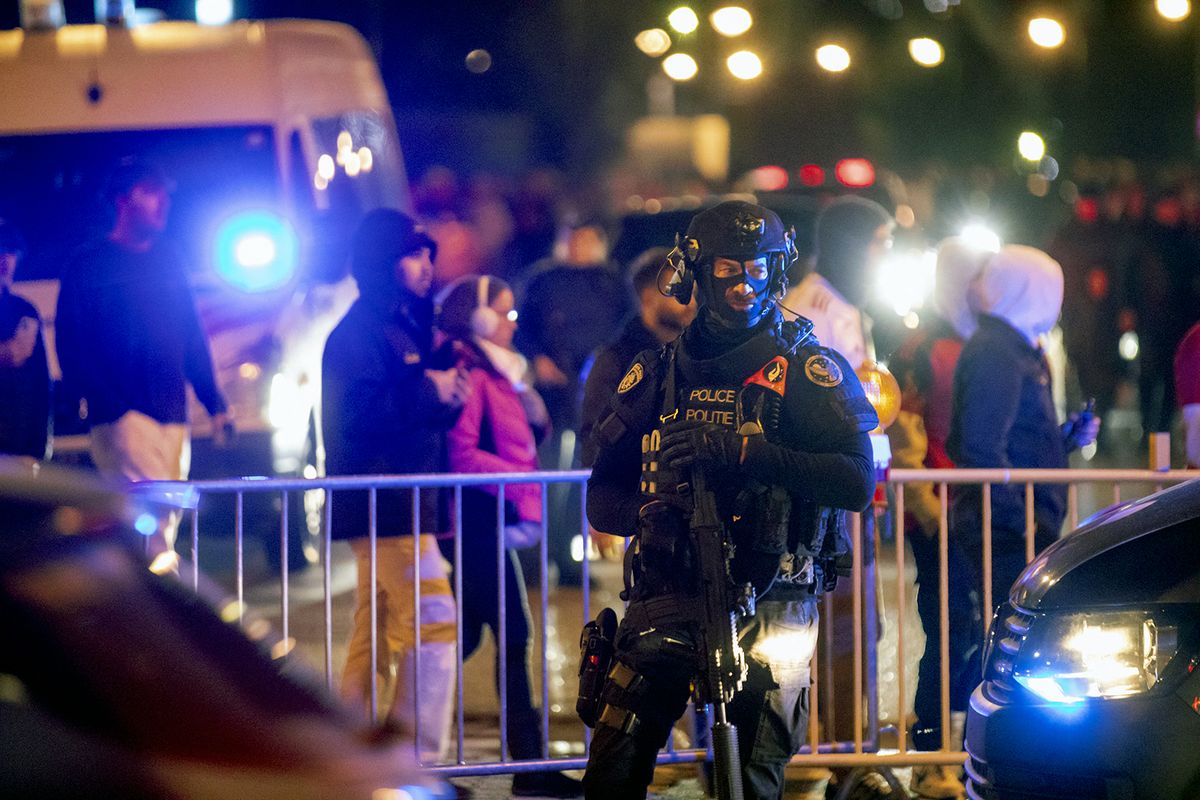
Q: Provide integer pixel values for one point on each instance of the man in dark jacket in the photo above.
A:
(573, 302)
(385, 411)
(24, 375)
(659, 320)
(129, 341)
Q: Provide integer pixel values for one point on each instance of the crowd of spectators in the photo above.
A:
(1122, 268)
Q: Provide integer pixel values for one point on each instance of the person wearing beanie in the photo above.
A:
(386, 410)
(660, 319)
(25, 411)
(501, 424)
(853, 235)
(924, 365)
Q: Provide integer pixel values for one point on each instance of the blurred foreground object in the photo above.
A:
(117, 682)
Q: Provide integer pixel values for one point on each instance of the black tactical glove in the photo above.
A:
(689, 442)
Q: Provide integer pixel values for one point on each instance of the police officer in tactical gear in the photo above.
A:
(778, 425)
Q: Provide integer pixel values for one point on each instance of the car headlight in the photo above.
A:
(1070, 657)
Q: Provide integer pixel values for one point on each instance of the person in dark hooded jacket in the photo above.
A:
(385, 411)
(853, 236)
(1004, 415)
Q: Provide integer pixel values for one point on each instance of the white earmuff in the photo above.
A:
(484, 319)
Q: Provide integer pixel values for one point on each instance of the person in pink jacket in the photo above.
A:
(498, 431)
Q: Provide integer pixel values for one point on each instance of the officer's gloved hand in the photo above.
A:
(688, 442)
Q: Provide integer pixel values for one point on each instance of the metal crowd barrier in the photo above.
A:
(874, 745)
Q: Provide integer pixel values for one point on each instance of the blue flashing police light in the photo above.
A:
(256, 251)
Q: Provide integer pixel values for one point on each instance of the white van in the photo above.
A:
(278, 135)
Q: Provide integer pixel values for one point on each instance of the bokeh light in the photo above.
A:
(981, 237)
(731, 20)
(926, 52)
(256, 251)
(812, 175)
(1174, 10)
(1047, 32)
(214, 12)
(856, 173)
(833, 58)
(680, 67)
(1031, 146)
(769, 179)
(479, 61)
(325, 167)
(683, 19)
(744, 65)
(653, 42)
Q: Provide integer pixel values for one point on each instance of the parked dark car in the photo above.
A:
(1090, 686)
(119, 682)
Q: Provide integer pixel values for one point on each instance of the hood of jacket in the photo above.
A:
(1022, 286)
(958, 266)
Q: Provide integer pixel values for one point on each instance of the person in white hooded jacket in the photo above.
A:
(924, 365)
(1003, 412)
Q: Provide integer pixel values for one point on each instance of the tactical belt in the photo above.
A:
(664, 612)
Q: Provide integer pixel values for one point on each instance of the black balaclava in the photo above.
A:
(743, 232)
(844, 232)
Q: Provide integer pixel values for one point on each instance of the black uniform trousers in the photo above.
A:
(770, 711)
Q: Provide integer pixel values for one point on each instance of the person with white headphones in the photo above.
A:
(498, 431)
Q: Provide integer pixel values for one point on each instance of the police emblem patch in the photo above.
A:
(823, 371)
(631, 379)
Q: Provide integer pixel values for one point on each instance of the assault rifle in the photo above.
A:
(722, 667)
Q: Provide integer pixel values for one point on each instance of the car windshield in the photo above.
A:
(53, 186)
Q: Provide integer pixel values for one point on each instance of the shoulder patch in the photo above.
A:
(632, 378)
(772, 376)
(823, 371)
(412, 358)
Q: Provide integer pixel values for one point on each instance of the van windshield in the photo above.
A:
(52, 186)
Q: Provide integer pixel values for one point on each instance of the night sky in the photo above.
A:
(566, 79)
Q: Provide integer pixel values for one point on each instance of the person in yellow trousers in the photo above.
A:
(386, 411)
